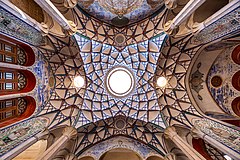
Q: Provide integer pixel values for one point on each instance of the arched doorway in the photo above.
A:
(120, 154)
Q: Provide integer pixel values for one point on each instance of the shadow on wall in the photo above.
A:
(120, 154)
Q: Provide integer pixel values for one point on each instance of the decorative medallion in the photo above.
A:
(216, 81)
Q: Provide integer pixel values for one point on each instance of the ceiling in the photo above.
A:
(148, 8)
(141, 47)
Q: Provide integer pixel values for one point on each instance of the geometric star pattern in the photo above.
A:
(141, 60)
(105, 33)
(173, 99)
(63, 104)
(93, 133)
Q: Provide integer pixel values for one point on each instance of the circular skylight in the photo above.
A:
(78, 81)
(120, 81)
(161, 82)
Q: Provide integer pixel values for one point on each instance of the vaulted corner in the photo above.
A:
(119, 79)
(215, 76)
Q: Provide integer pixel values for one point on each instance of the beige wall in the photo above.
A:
(33, 152)
(120, 154)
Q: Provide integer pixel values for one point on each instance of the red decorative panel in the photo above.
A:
(236, 106)
(236, 55)
(233, 122)
(31, 106)
(30, 81)
(30, 58)
(199, 145)
(236, 80)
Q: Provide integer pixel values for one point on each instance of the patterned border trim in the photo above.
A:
(228, 136)
(226, 25)
(15, 27)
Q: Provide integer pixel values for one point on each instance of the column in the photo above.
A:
(199, 134)
(13, 66)
(68, 134)
(22, 147)
(171, 4)
(11, 96)
(23, 16)
(49, 7)
(170, 156)
(188, 9)
(70, 156)
(188, 150)
(196, 28)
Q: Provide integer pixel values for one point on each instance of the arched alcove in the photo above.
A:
(236, 106)
(207, 9)
(13, 81)
(208, 151)
(236, 80)
(198, 145)
(154, 158)
(30, 81)
(236, 55)
(86, 158)
(16, 109)
(120, 154)
(15, 52)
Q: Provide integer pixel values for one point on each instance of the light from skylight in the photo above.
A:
(161, 82)
(78, 81)
(227, 157)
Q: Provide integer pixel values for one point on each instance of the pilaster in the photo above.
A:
(188, 150)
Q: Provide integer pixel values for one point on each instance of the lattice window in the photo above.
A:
(8, 109)
(8, 52)
(12, 108)
(8, 80)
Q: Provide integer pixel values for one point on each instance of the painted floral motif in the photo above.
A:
(100, 13)
(14, 135)
(43, 72)
(222, 27)
(15, 27)
(226, 135)
(225, 68)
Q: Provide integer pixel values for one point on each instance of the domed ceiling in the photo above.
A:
(144, 51)
(147, 8)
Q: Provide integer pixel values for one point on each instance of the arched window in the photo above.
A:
(14, 52)
(8, 52)
(8, 80)
(13, 80)
(16, 109)
(16, 81)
